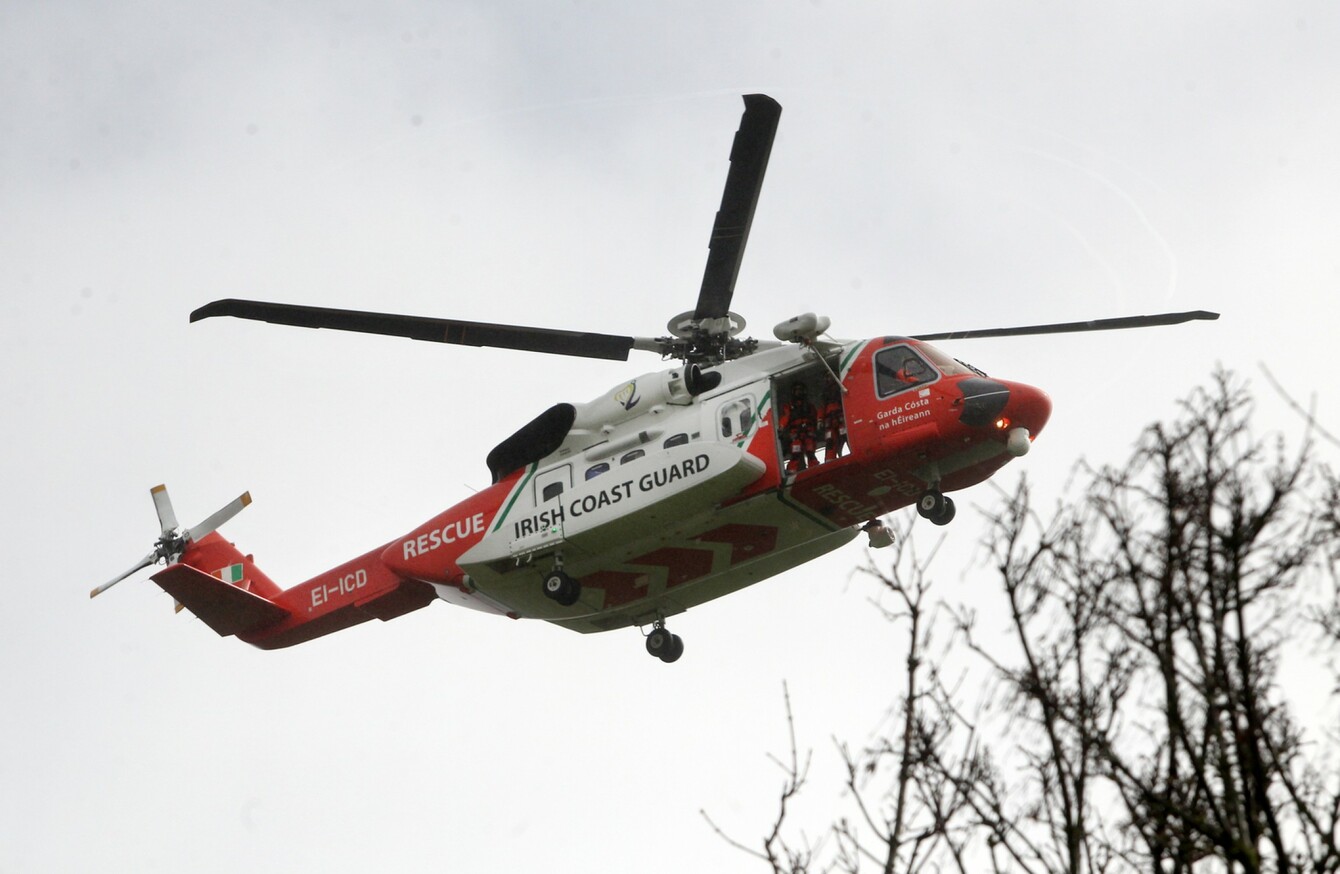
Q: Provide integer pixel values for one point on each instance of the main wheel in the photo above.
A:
(660, 642)
(931, 504)
(674, 651)
(946, 514)
(562, 588)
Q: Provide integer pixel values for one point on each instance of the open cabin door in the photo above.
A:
(808, 407)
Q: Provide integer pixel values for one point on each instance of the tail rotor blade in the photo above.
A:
(172, 543)
(163, 504)
(144, 563)
(220, 516)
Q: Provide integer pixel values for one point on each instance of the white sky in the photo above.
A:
(938, 166)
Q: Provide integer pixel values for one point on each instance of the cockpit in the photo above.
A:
(901, 366)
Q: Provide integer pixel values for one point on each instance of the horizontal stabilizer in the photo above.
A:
(224, 607)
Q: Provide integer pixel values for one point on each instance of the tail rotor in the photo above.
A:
(173, 541)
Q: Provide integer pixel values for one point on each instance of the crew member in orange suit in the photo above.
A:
(798, 425)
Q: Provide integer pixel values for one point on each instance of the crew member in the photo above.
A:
(798, 426)
(913, 372)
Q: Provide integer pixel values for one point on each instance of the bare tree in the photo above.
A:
(796, 856)
(1203, 545)
(1137, 717)
(910, 788)
(908, 793)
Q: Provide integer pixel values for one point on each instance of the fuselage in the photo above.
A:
(656, 499)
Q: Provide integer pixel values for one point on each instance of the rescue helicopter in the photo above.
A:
(741, 460)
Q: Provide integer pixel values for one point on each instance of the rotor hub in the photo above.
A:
(687, 326)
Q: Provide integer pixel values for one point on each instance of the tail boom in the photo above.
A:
(231, 595)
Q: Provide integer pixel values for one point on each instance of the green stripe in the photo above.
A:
(758, 420)
(516, 493)
(846, 362)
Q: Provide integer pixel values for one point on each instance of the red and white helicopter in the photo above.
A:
(745, 459)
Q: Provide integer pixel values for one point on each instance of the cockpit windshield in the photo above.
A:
(948, 365)
(901, 366)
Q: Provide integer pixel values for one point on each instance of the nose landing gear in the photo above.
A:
(933, 505)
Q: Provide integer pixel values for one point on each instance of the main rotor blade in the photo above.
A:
(577, 343)
(1075, 327)
(223, 514)
(748, 162)
(144, 563)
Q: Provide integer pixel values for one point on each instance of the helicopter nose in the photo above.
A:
(983, 401)
(1016, 411)
(1006, 406)
(1029, 406)
(1023, 417)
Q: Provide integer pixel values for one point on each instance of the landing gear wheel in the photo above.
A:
(932, 503)
(659, 642)
(663, 645)
(560, 587)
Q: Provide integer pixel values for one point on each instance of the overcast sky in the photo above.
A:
(938, 166)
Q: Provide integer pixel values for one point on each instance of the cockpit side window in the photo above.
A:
(899, 368)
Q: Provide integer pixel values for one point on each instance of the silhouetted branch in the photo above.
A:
(1133, 718)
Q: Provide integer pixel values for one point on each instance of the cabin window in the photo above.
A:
(736, 418)
(634, 455)
(676, 440)
(552, 483)
(596, 470)
(900, 368)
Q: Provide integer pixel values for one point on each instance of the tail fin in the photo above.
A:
(222, 587)
(222, 606)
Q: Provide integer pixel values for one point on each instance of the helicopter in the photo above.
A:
(743, 459)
